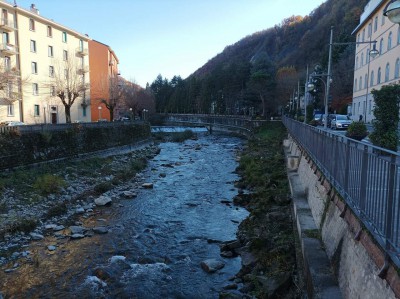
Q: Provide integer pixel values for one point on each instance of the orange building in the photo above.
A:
(103, 64)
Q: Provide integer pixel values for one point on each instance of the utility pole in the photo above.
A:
(305, 97)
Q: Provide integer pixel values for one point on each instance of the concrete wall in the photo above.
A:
(355, 258)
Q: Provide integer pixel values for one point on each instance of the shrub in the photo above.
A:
(48, 184)
(357, 130)
(57, 210)
(103, 187)
(313, 122)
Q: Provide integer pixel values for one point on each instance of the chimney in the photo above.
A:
(34, 9)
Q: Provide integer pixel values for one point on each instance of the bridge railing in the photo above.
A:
(367, 177)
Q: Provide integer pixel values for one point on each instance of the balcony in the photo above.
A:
(83, 69)
(82, 51)
(8, 49)
(7, 25)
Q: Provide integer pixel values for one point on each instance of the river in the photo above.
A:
(156, 241)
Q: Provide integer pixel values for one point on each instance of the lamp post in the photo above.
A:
(392, 11)
(305, 97)
(130, 110)
(373, 53)
(99, 112)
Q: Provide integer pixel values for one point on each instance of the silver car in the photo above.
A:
(340, 122)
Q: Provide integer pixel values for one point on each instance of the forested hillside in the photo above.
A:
(263, 69)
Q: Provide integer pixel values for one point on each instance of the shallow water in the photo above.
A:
(156, 241)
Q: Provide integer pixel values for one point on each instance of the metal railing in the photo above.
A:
(366, 176)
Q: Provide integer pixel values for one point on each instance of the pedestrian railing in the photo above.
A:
(366, 176)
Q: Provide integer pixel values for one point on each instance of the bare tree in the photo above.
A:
(10, 84)
(69, 82)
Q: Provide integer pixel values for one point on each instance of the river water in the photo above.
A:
(157, 241)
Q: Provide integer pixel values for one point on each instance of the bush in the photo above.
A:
(103, 187)
(313, 122)
(48, 184)
(357, 130)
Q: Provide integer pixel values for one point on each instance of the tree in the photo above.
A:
(286, 81)
(115, 95)
(69, 83)
(386, 114)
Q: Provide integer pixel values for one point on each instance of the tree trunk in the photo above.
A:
(111, 113)
(67, 114)
(263, 105)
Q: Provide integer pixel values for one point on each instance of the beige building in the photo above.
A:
(42, 57)
(371, 73)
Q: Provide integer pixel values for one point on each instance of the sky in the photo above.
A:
(168, 37)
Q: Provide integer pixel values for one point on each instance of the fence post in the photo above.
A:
(391, 197)
(347, 167)
(363, 185)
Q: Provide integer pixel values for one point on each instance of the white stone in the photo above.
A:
(103, 200)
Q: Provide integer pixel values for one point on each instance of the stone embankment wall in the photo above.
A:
(355, 259)
(22, 147)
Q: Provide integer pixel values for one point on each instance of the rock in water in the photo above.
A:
(100, 230)
(129, 194)
(103, 200)
(147, 185)
(211, 265)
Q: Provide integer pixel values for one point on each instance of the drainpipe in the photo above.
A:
(18, 62)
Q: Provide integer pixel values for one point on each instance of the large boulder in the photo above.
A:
(103, 200)
(212, 265)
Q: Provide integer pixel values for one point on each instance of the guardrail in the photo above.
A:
(367, 177)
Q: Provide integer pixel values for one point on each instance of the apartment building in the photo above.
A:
(104, 81)
(374, 72)
(41, 58)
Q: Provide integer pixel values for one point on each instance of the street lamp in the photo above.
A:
(392, 11)
(99, 112)
(373, 53)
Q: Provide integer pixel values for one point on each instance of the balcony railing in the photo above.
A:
(83, 69)
(7, 25)
(8, 49)
(82, 51)
(367, 177)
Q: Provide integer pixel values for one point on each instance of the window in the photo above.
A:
(362, 59)
(363, 35)
(51, 71)
(371, 81)
(381, 46)
(367, 54)
(360, 82)
(357, 62)
(84, 111)
(49, 31)
(376, 24)
(10, 110)
(50, 51)
(31, 24)
(81, 45)
(65, 55)
(389, 44)
(4, 17)
(35, 89)
(34, 67)
(387, 72)
(6, 38)
(65, 74)
(36, 110)
(397, 69)
(7, 63)
(355, 85)
(378, 79)
(398, 36)
(64, 37)
(53, 91)
(33, 46)
(9, 90)
(369, 29)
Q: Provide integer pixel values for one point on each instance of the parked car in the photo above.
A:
(318, 118)
(12, 123)
(340, 121)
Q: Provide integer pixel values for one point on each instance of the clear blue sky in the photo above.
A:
(168, 37)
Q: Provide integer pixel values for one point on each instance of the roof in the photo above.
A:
(371, 8)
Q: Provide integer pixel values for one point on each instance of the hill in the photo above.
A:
(261, 71)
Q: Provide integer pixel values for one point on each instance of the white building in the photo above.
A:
(40, 52)
(372, 73)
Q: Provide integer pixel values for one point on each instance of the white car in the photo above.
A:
(340, 121)
(12, 123)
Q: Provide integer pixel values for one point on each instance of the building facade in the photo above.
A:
(104, 81)
(43, 58)
(374, 72)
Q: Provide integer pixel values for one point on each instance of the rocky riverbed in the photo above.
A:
(154, 233)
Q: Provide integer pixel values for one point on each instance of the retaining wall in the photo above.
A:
(356, 260)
